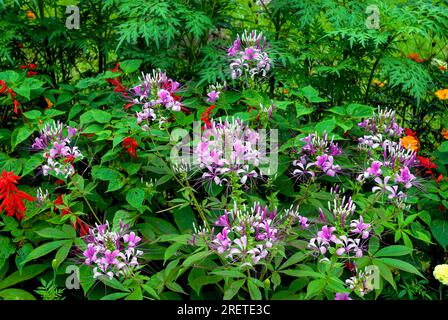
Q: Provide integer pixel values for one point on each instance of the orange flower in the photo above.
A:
(378, 83)
(442, 94)
(410, 142)
(445, 133)
(49, 103)
(442, 68)
(30, 15)
(416, 57)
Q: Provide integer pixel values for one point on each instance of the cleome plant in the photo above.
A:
(224, 150)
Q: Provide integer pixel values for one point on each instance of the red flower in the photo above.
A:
(79, 225)
(11, 93)
(116, 82)
(29, 69)
(3, 86)
(439, 178)
(130, 144)
(16, 105)
(117, 68)
(409, 132)
(205, 116)
(351, 266)
(427, 164)
(11, 197)
(69, 159)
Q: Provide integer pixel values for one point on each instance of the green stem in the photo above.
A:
(87, 201)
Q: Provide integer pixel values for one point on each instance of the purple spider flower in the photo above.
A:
(405, 177)
(360, 227)
(342, 296)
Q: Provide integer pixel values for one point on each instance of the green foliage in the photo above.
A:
(329, 73)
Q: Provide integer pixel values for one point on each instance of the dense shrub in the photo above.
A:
(224, 150)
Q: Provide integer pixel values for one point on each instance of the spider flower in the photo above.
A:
(58, 149)
(228, 148)
(317, 156)
(110, 253)
(337, 236)
(383, 122)
(249, 56)
(248, 236)
(154, 93)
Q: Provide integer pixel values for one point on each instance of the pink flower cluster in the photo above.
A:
(249, 56)
(382, 123)
(227, 148)
(389, 165)
(338, 235)
(317, 156)
(214, 91)
(248, 236)
(155, 90)
(112, 253)
(58, 149)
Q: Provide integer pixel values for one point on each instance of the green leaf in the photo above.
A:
(233, 289)
(444, 147)
(16, 294)
(184, 218)
(302, 273)
(43, 250)
(326, 126)
(302, 110)
(5, 134)
(32, 163)
(385, 272)
(32, 114)
(374, 245)
(276, 279)
(135, 197)
(439, 229)
(171, 250)
(19, 135)
(125, 217)
(86, 278)
(402, 265)
(101, 116)
(229, 273)
(315, 287)
(28, 272)
(393, 251)
(136, 294)
(356, 110)
(63, 252)
(151, 291)
(195, 258)
(24, 90)
(113, 283)
(311, 94)
(129, 66)
(254, 291)
(115, 296)
(52, 233)
(294, 259)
